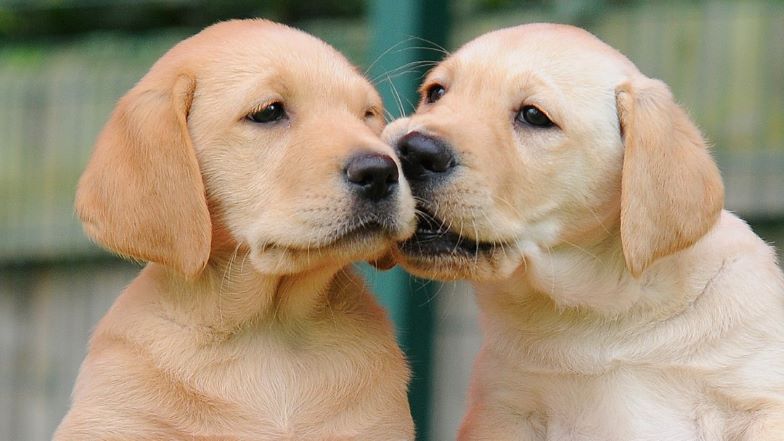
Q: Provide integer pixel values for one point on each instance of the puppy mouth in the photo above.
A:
(434, 238)
(360, 239)
(363, 231)
(355, 235)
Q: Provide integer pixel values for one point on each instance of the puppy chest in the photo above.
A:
(289, 386)
(622, 406)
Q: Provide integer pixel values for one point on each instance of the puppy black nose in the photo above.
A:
(373, 176)
(423, 156)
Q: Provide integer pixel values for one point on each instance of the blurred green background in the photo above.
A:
(63, 65)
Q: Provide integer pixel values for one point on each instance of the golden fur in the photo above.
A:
(618, 300)
(246, 324)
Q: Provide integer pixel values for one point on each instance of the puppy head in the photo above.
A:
(542, 135)
(249, 134)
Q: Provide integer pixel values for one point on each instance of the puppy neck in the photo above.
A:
(231, 294)
(593, 278)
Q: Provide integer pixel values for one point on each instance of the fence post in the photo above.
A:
(406, 32)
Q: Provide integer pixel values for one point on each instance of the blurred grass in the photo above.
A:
(724, 61)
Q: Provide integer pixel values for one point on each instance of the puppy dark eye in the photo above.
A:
(533, 116)
(434, 93)
(269, 113)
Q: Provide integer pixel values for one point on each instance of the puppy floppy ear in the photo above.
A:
(671, 189)
(142, 194)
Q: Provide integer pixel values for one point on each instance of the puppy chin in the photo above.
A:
(281, 261)
(276, 260)
(492, 267)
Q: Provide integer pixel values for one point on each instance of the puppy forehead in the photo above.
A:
(562, 53)
(258, 54)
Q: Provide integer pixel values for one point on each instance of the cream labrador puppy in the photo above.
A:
(247, 169)
(619, 302)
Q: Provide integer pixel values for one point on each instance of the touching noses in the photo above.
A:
(424, 157)
(373, 176)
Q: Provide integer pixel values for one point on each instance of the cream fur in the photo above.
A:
(247, 324)
(619, 302)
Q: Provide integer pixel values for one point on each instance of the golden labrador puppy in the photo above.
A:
(246, 167)
(619, 301)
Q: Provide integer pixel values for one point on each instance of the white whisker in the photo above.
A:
(596, 217)
(580, 248)
(398, 101)
(552, 269)
(387, 51)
